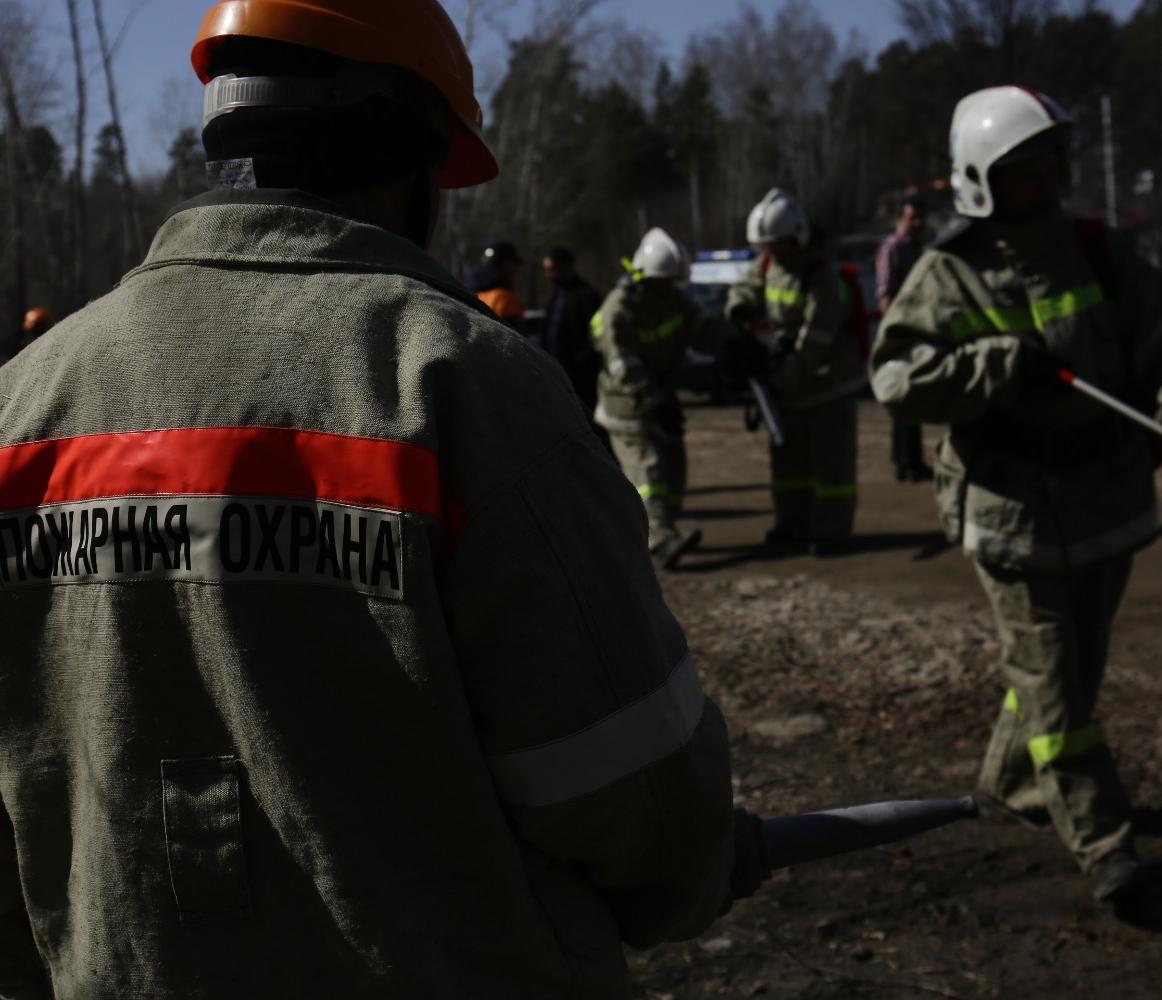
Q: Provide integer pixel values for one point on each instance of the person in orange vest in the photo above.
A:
(493, 279)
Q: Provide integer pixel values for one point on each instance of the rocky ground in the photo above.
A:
(867, 677)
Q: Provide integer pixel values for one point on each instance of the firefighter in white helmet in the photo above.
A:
(642, 331)
(1049, 493)
(817, 372)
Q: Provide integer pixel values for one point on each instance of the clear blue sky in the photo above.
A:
(159, 94)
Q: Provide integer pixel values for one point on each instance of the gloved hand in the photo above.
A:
(751, 865)
(670, 418)
(1038, 369)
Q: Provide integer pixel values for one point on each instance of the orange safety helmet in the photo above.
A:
(415, 35)
(38, 320)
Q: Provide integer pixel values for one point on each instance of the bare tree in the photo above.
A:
(24, 85)
(80, 228)
(131, 220)
(992, 21)
(178, 106)
(476, 11)
(629, 57)
(563, 20)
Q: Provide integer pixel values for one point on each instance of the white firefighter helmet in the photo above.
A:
(776, 217)
(988, 126)
(661, 256)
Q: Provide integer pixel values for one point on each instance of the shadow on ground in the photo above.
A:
(703, 491)
(723, 513)
(710, 558)
(928, 544)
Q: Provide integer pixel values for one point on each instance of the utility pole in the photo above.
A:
(1107, 129)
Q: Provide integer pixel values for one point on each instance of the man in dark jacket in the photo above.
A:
(571, 307)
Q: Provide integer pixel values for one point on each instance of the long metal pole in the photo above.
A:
(1081, 385)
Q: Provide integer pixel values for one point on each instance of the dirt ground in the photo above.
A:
(872, 676)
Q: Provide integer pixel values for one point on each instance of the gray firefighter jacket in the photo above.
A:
(1032, 475)
(334, 663)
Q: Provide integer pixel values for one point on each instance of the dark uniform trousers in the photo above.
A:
(813, 474)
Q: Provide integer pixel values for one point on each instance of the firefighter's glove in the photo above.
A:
(743, 314)
(751, 865)
(670, 419)
(743, 357)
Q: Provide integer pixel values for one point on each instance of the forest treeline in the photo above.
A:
(600, 137)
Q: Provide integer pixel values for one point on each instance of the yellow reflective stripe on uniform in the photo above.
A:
(784, 296)
(597, 325)
(842, 291)
(1011, 704)
(1053, 746)
(672, 325)
(1072, 302)
(965, 324)
(621, 744)
(651, 490)
(825, 492)
(1019, 320)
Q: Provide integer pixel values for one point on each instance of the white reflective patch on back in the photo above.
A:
(204, 539)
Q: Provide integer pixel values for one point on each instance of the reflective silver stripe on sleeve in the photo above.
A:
(619, 745)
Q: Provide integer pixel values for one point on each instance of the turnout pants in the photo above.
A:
(1047, 751)
(813, 474)
(656, 465)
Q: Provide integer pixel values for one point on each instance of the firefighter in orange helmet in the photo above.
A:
(334, 660)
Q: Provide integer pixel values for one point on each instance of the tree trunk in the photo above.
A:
(130, 219)
(80, 222)
(695, 207)
(22, 171)
(19, 283)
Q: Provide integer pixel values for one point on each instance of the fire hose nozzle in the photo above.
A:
(761, 846)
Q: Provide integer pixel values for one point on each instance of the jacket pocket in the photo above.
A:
(202, 805)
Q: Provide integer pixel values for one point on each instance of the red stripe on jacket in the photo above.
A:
(223, 461)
